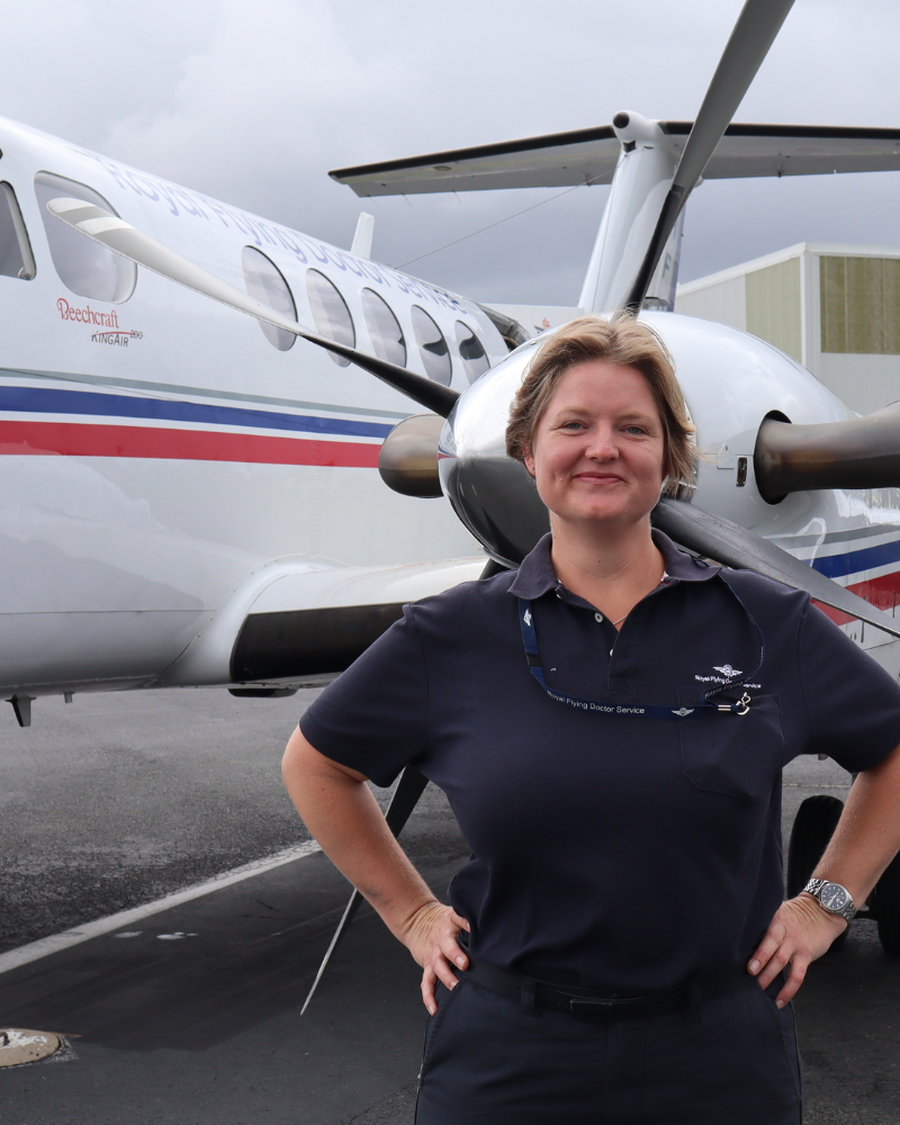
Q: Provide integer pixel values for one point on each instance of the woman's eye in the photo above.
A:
(634, 430)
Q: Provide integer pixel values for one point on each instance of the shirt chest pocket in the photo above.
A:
(737, 755)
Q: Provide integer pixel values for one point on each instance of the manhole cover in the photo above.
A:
(18, 1046)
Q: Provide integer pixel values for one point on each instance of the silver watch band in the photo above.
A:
(815, 887)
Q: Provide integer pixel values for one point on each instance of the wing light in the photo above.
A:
(98, 224)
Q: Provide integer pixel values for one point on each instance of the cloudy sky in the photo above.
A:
(252, 101)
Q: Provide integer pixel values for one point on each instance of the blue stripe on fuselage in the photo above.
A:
(853, 562)
(43, 400)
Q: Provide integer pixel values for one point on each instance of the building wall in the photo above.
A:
(860, 303)
(774, 308)
(835, 309)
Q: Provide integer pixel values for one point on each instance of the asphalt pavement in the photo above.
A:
(191, 1014)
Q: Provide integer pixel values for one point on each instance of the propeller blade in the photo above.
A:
(346, 918)
(735, 546)
(753, 35)
(858, 453)
(122, 238)
(405, 798)
(408, 460)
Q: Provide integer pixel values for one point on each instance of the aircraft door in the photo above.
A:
(16, 258)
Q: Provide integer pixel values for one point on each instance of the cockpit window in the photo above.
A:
(432, 346)
(16, 259)
(330, 313)
(384, 328)
(264, 281)
(471, 351)
(84, 267)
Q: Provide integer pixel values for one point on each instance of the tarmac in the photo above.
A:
(192, 1015)
(187, 1010)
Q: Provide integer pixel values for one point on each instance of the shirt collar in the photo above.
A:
(536, 575)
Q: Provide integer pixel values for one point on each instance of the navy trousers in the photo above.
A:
(488, 1060)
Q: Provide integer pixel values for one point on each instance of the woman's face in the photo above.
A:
(598, 448)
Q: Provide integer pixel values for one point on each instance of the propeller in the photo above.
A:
(735, 546)
(405, 798)
(753, 35)
(115, 234)
(858, 453)
(408, 460)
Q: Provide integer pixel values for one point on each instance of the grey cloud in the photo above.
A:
(255, 102)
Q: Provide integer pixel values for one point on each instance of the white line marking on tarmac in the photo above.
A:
(35, 950)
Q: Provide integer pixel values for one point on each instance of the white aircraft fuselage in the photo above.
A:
(182, 490)
(162, 462)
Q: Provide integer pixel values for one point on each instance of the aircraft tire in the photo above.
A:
(887, 909)
(813, 827)
(814, 824)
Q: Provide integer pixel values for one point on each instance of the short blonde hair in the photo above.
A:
(623, 342)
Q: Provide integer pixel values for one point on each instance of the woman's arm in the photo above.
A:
(340, 811)
(865, 841)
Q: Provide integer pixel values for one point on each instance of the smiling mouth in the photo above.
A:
(599, 478)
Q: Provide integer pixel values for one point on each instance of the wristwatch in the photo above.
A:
(831, 897)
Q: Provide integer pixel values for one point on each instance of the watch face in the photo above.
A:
(833, 897)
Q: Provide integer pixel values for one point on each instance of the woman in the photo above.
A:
(609, 724)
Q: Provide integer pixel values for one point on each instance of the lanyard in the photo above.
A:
(707, 701)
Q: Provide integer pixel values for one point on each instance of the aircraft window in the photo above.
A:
(84, 267)
(432, 347)
(330, 313)
(472, 351)
(16, 259)
(384, 328)
(265, 282)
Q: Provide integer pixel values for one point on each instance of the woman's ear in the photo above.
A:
(528, 462)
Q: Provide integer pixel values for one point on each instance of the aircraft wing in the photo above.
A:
(294, 623)
(556, 160)
(589, 156)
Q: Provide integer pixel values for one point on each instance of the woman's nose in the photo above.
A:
(602, 446)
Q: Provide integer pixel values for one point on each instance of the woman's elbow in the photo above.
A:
(302, 761)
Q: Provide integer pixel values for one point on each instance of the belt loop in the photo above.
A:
(528, 992)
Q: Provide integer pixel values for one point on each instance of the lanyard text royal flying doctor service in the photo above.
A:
(708, 701)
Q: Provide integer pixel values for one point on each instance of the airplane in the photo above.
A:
(189, 498)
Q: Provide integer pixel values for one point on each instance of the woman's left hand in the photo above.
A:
(800, 932)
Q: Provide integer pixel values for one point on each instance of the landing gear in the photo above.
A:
(885, 906)
(813, 826)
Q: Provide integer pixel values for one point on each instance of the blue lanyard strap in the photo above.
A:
(707, 702)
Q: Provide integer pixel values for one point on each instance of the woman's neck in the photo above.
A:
(611, 570)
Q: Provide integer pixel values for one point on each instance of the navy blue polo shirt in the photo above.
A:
(611, 851)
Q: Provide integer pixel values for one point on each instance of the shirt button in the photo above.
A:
(598, 617)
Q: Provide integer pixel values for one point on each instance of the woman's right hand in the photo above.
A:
(430, 937)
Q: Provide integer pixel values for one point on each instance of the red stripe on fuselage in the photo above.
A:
(73, 440)
(883, 593)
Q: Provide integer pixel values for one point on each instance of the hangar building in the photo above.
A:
(833, 308)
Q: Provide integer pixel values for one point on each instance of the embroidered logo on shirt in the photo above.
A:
(527, 617)
(726, 675)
